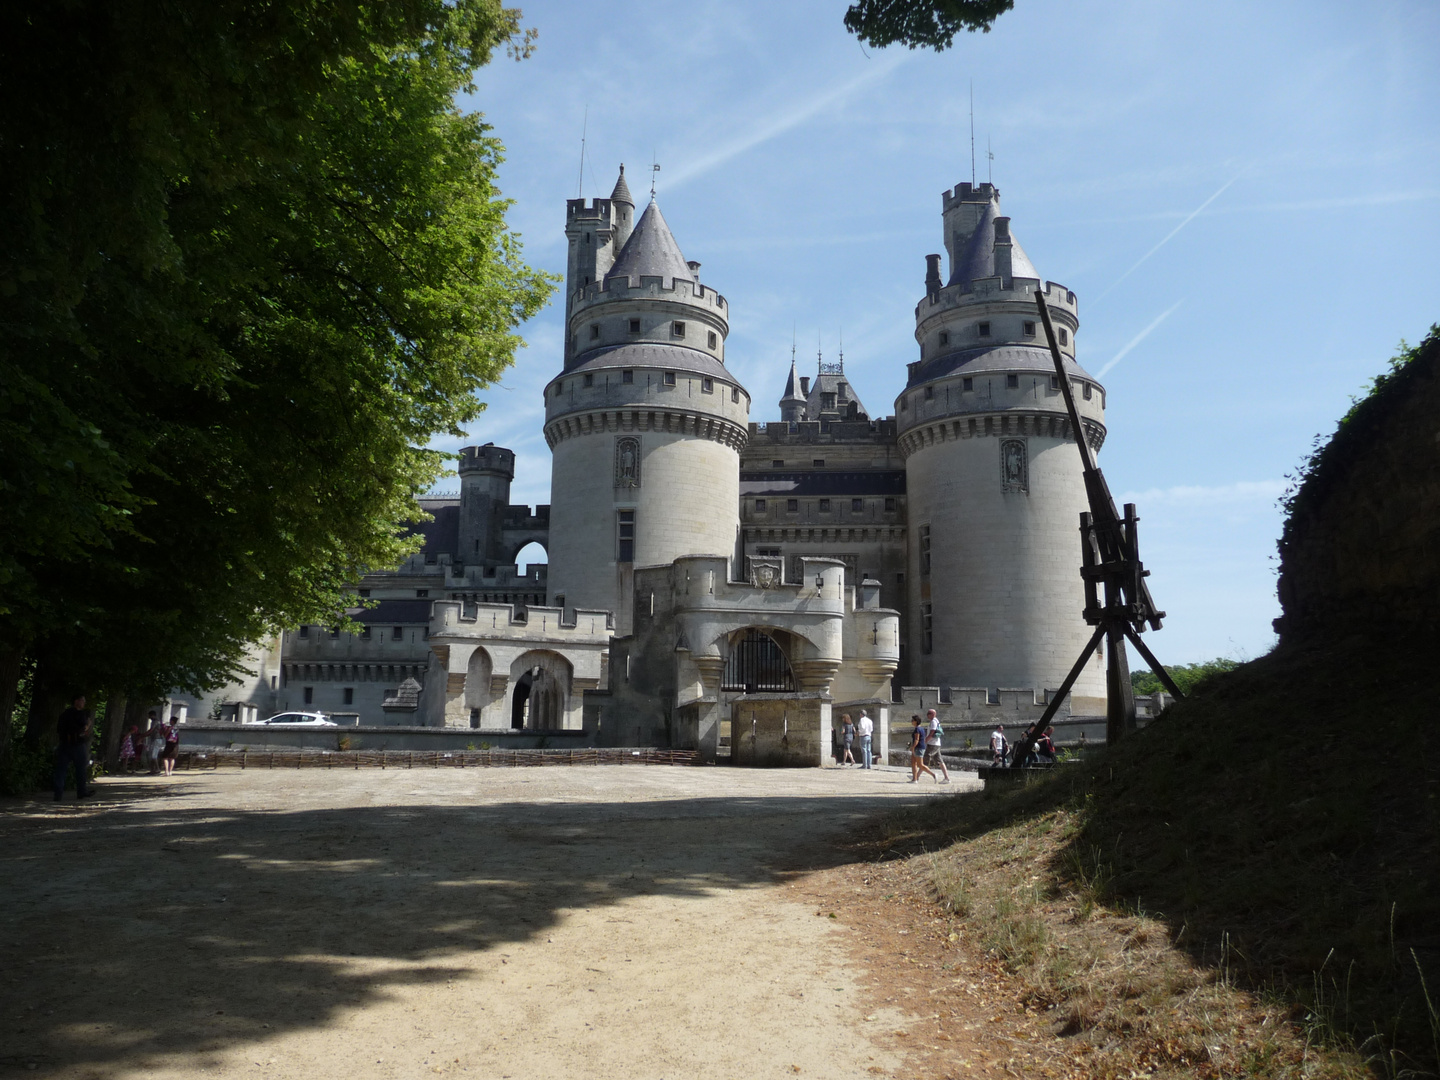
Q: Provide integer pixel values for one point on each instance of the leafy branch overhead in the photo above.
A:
(930, 24)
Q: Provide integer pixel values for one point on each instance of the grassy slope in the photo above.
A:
(1282, 822)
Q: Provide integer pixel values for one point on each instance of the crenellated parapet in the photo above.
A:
(672, 421)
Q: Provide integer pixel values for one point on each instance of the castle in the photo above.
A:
(699, 561)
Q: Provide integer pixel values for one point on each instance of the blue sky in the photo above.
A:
(1245, 197)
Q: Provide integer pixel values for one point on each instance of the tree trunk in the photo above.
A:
(115, 714)
(47, 701)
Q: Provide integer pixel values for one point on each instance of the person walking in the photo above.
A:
(998, 745)
(847, 739)
(932, 745)
(74, 749)
(172, 744)
(154, 743)
(918, 738)
(127, 749)
(1045, 747)
(867, 733)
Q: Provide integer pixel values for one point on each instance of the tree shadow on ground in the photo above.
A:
(139, 932)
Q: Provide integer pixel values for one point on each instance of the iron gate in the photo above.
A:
(756, 664)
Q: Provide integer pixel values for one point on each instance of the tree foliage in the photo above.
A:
(1186, 676)
(255, 262)
(930, 24)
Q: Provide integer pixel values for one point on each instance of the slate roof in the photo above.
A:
(392, 612)
(986, 359)
(651, 251)
(644, 354)
(622, 190)
(442, 534)
(792, 385)
(978, 259)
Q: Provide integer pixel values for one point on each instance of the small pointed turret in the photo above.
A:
(792, 403)
(624, 206)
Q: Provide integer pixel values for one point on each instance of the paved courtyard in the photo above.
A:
(620, 921)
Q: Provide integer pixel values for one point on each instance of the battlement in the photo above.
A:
(450, 618)
(521, 516)
(989, 290)
(599, 212)
(487, 458)
(968, 193)
(614, 289)
(822, 432)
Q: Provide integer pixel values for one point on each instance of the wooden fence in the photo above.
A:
(427, 759)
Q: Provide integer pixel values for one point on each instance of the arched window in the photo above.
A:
(756, 664)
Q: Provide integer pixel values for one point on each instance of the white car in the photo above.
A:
(309, 719)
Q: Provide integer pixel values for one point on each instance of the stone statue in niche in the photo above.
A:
(627, 462)
(1014, 466)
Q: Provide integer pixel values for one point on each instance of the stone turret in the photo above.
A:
(992, 474)
(645, 422)
(792, 404)
(485, 475)
(623, 208)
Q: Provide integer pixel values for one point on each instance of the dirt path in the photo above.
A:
(573, 922)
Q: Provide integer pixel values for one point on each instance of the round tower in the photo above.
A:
(993, 477)
(485, 475)
(645, 423)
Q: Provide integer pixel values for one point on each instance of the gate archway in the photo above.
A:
(757, 664)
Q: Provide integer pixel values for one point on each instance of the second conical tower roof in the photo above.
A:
(651, 251)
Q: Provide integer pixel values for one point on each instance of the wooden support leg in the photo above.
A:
(1022, 748)
(1120, 694)
(1155, 665)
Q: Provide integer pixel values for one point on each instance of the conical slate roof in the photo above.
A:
(792, 385)
(978, 260)
(651, 251)
(622, 190)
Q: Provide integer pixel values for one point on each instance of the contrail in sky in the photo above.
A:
(778, 125)
(1171, 234)
(1141, 336)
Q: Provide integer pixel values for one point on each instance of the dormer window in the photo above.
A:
(712, 339)
(944, 337)
(594, 331)
(735, 394)
(677, 329)
(634, 326)
(627, 377)
(929, 393)
(1012, 382)
(589, 379)
(707, 386)
(967, 385)
(1029, 328)
(827, 401)
(1088, 391)
(1064, 336)
(984, 329)
(669, 378)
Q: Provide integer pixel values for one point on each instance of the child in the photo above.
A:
(127, 749)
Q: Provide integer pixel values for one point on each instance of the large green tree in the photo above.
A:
(930, 24)
(255, 262)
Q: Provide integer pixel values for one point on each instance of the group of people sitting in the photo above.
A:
(157, 748)
(1041, 752)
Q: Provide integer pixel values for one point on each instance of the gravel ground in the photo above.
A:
(612, 921)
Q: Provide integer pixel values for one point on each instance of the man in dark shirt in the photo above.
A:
(74, 748)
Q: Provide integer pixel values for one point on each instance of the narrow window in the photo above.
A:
(474, 718)
(818, 462)
(1029, 328)
(304, 631)
(944, 337)
(1064, 336)
(992, 695)
(777, 464)
(734, 394)
(349, 695)
(309, 695)
(677, 329)
(711, 339)
(335, 631)
(857, 506)
(421, 594)
(827, 401)
(927, 634)
(594, 331)
(634, 326)
(792, 506)
(1012, 382)
(559, 388)
(589, 379)
(627, 376)
(397, 633)
(1088, 390)
(707, 385)
(625, 535)
(967, 385)
(904, 404)
(889, 505)
(760, 505)
(984, 329)
(924, 549)
(364, 592)
(824, 506)
(1054, 382)
(929, 393)
(669, 378)
(365, 633)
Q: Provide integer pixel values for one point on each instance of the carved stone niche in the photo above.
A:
(627, 462)
(1014, 466)
(767, 573)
